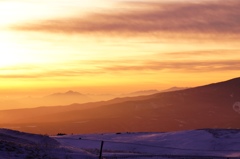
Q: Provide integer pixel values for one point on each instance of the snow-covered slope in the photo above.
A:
(19, 145)
(202, 144)
(205, 142)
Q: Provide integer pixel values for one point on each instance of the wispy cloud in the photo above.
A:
(209, 54)
(209, 17)
(55, 71)
(185, 66)
(52, 74)
(111, 67)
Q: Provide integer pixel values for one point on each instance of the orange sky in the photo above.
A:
(106, 46)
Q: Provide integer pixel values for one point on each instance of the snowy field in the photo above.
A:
(206, 144)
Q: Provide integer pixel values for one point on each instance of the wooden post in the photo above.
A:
(100, 156)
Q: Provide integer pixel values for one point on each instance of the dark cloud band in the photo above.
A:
(215, 18)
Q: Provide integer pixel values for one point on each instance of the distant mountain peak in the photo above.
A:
(142, 92)
(174, 89)
(145, 91)
(68, 93)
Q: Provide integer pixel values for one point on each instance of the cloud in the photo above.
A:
(167, 19)
(36, 72)
(214, 54)
(52, 74)
(18, 76)
(103, 67)
(185, 66)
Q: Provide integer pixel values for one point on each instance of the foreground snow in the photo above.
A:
(19, 145)
(208, 142)
(182, 144)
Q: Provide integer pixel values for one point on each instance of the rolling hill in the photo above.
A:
(208, 106)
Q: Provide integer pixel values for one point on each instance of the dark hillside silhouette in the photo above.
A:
(209, 106)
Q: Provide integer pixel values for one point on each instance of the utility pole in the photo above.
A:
(100, 155)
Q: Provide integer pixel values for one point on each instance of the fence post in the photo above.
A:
(100, 156)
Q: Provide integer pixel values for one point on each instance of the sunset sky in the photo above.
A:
(109, 46)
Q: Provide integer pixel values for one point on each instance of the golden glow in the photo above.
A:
(14, 11)
(107, 46)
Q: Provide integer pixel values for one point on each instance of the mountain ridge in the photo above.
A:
(68, 93)
(208, 106)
